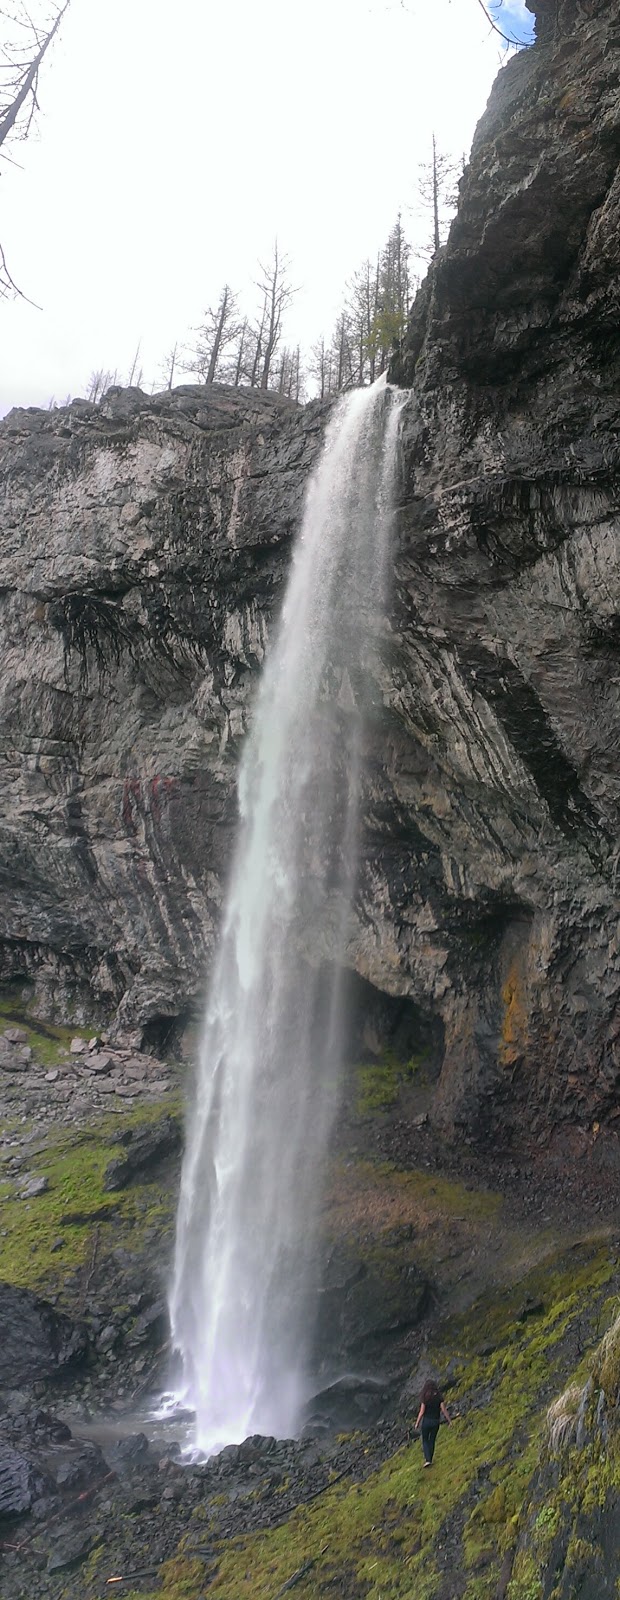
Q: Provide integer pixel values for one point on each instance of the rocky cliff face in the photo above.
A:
(142, 545)
(143, 548)
(509, 591)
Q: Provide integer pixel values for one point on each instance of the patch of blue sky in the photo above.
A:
(514, 18)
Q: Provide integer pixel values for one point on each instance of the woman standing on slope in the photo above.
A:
(432, 1409)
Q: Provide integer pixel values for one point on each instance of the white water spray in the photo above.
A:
(245, 1268)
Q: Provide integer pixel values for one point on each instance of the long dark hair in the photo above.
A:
(429, 1392)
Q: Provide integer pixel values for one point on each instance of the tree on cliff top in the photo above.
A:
(277, 292)
(438, 193)
(220, 328)
(24, 43)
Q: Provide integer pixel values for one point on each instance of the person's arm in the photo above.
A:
(444, 1413)
(420, 1415)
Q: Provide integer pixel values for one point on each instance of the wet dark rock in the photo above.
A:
(145, 1149)
(20, 1482)
(130, 1451)
(83, 1465)
(72, 1549)
(363, 1307)
(256, 1447)
(228, 1457)
(45, 1506)
(51, 1427)
(347, 1403)
(36, 1340)
(152, 1326)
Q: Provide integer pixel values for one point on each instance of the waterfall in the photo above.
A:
(245, 1275)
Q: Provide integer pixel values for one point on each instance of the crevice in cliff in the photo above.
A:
(527, 725)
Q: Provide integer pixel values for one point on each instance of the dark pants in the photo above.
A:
(429, 1435)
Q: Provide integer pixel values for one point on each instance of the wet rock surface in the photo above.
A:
(36, 1340)
(144, 1149)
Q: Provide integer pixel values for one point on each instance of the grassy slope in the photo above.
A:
(404, 1532)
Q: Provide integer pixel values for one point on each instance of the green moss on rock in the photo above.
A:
(379, 1083)
(75, 1207)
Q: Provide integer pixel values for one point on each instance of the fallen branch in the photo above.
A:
(292, 1582)
(325, 1486)
(128, 1577)
(302, 1572)
(91, 1269)
(79, 1500)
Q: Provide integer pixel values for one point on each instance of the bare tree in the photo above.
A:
(321, 367)
(438, 193)
(135, 371)
(24, 44)
(342, 355)
(168, 366)
(238, 367)
(290, 376)
(277, 293)
(214, 337)
(257, 335)
(98, 384)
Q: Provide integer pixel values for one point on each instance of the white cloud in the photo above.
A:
(176, 141)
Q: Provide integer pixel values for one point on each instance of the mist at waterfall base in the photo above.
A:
(246, 1273)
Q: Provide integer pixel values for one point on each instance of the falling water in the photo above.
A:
(245, 1267)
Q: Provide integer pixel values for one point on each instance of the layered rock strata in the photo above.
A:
(143, 550)
(142, 544)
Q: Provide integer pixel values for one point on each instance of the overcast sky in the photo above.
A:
(175, 141)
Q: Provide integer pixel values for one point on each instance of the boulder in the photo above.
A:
(364, 1305)
(152, 1326)
(36, 1340)
(20, 1482)
(33, 1187)
(145, 1149)
(72, 1549)
(99, 1061)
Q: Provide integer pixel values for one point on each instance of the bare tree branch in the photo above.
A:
(20, 64)
(28, 85)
